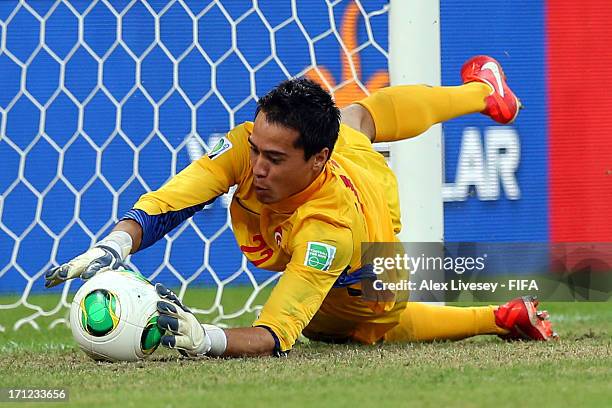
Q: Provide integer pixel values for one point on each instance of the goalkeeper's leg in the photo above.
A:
(401, 112)
(423, 322)
(516, 319)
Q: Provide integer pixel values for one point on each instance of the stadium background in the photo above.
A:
(61, 136)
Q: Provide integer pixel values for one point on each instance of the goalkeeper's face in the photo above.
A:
(279, 168)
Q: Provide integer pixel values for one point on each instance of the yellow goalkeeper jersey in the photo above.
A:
(312, 237)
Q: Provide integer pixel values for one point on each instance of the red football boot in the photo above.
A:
(524, 321)
(502, 104)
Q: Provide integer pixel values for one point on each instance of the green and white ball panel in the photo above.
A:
(100, 312)
(151, 336)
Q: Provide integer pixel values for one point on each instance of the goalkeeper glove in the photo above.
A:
(106, 254)
(183, 331)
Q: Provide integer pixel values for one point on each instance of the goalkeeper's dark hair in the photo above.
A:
(304, 106)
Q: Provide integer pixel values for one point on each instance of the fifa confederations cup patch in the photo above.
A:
(222, 146)
(319, 255)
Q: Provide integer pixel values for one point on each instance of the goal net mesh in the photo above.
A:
(102, 101)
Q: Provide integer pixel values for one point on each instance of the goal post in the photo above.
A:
(414, 58)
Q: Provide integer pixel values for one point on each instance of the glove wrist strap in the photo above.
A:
(120, 241)
(218, 340)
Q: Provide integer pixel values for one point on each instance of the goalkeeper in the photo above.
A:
(310, 190)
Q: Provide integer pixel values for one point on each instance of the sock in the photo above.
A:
(423, 322)
(402, 112)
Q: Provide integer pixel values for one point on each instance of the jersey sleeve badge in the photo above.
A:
(319, 255)
(222, 146)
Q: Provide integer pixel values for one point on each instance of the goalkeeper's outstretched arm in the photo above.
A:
(184, 333)
(137, 230)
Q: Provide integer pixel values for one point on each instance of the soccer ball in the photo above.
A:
(113, 316)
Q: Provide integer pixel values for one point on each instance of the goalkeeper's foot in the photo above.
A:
(502, 104)
(524, 321)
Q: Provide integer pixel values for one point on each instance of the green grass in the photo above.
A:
(482, 371)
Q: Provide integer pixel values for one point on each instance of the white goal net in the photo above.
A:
(101, 101)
